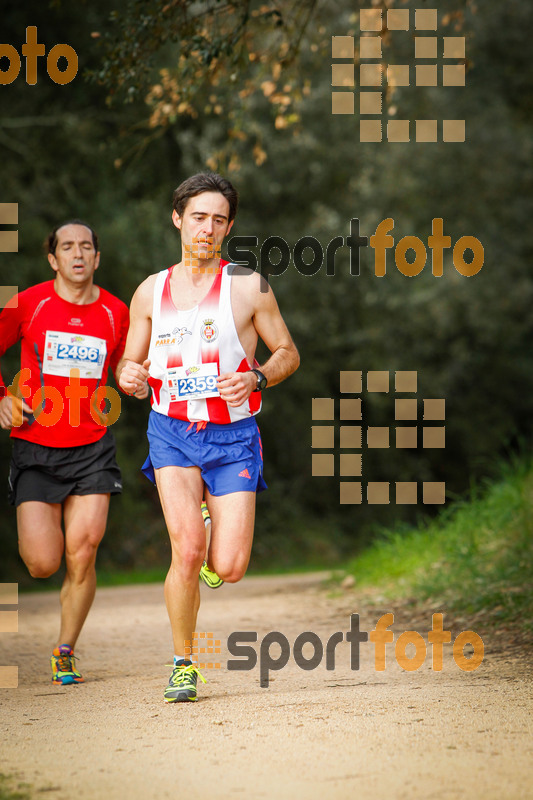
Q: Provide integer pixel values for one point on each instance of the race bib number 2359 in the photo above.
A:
(195, 382)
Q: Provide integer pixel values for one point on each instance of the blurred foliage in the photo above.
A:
(475, 558)
(95, 149)
(13, 789)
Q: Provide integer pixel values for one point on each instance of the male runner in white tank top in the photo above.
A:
(193, 335)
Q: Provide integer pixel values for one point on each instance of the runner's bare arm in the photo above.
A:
(116, 362)
(132, 369)
(237, 387)
(272, 329)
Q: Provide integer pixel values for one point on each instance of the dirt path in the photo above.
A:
(312, 734)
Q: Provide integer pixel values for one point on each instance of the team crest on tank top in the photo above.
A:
(190, 348)
(209, 331)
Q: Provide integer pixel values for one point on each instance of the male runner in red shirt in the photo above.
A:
(193, 334)
(63, 462)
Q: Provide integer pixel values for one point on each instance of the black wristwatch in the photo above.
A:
(261, 380)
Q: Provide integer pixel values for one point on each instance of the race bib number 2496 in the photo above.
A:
(65, 351)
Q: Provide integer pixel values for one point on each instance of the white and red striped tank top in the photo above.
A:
(189, 349)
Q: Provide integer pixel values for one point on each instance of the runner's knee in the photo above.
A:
(42, 566)
(191, 560)
(80, 560)
(232, 576)
(231, 571)
(188, 559)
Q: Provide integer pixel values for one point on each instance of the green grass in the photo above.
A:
(158, 574)
(11, 789)
(107, 577)
(475, 557)
(133, 577)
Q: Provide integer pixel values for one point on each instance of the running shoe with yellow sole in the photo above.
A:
(62, 663)
(182, 683)
(207, 575)
(205, 513)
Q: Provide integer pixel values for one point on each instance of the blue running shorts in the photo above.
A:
(230, 456)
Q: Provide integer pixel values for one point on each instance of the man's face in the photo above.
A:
(203, 225)
(75, 258)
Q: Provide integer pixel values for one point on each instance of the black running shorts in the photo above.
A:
(50, 474)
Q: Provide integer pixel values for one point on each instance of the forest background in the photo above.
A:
(164, 91)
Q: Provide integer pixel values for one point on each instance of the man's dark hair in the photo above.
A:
(205, 182)
(50, 243)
